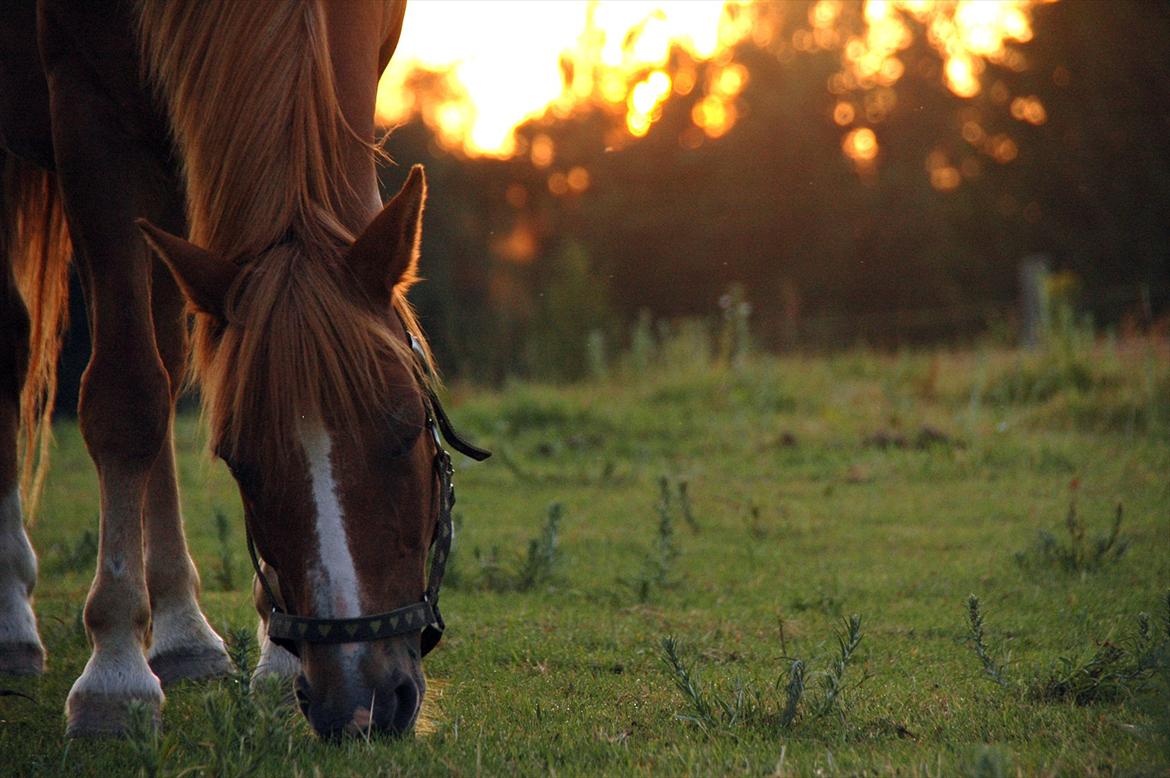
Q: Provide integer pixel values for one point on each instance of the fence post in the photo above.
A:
(1034, 270)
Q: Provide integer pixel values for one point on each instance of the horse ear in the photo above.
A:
(387, 252)
(204, 277)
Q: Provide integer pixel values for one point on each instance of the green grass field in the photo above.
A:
(888, 486)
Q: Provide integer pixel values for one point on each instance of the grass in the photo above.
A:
(802, 517)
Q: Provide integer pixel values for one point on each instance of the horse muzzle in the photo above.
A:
(389, 707)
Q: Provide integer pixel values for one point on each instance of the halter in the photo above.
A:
(288, 630)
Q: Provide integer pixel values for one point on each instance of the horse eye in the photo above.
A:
(396, 448)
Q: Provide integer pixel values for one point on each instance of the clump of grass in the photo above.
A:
(1111, 671)
(711, 711)
(540, 564)
(1103, 675)
(778, 706)
(1079, 554)
(225, 577)
(247, 733)
(149, 750)
(538, 567)
(1108, 672)
(77, 557)
(248, 725)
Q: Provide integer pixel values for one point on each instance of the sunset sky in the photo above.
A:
(614, 55)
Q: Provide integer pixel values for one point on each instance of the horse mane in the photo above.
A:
(295, 345)
(255, 116)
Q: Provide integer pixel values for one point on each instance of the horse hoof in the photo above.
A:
(184, 646)
(179, 665)
(106, 715)
(22, 659)
(113, 682)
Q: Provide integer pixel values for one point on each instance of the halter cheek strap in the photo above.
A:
(288, 630)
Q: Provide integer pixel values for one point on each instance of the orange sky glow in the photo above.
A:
(504, 63)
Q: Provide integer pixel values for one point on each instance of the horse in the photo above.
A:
(210, 167)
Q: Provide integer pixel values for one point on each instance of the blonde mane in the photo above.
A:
(255, 116)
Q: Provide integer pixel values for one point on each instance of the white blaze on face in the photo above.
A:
(334, 579)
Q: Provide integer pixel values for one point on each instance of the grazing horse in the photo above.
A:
(249, 128)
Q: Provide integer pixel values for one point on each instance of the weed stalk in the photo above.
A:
(991, 669)
(833, 681)
(701, 709)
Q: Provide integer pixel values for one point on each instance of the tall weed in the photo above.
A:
(1106, 672)
(776, 706)
(655, 571)
(1079, 554)
(537, 568)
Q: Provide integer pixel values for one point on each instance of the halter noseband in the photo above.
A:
(288, 630)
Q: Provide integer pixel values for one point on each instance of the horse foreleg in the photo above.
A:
(21, 651)
(108, 178)
(183, 644)
(274, 662)
(123, 411)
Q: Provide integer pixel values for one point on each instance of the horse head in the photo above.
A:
(318, 406)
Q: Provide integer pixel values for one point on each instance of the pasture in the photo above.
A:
(747, 511)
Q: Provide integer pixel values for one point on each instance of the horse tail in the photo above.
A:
(34, 239)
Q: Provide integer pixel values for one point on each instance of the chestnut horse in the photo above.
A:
(248, 127)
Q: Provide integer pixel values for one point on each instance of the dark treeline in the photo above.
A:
(825, 255)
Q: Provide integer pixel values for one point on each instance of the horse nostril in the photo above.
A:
(405, 706)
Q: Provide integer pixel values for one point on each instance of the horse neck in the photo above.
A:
(356, 34)
(311, 67)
